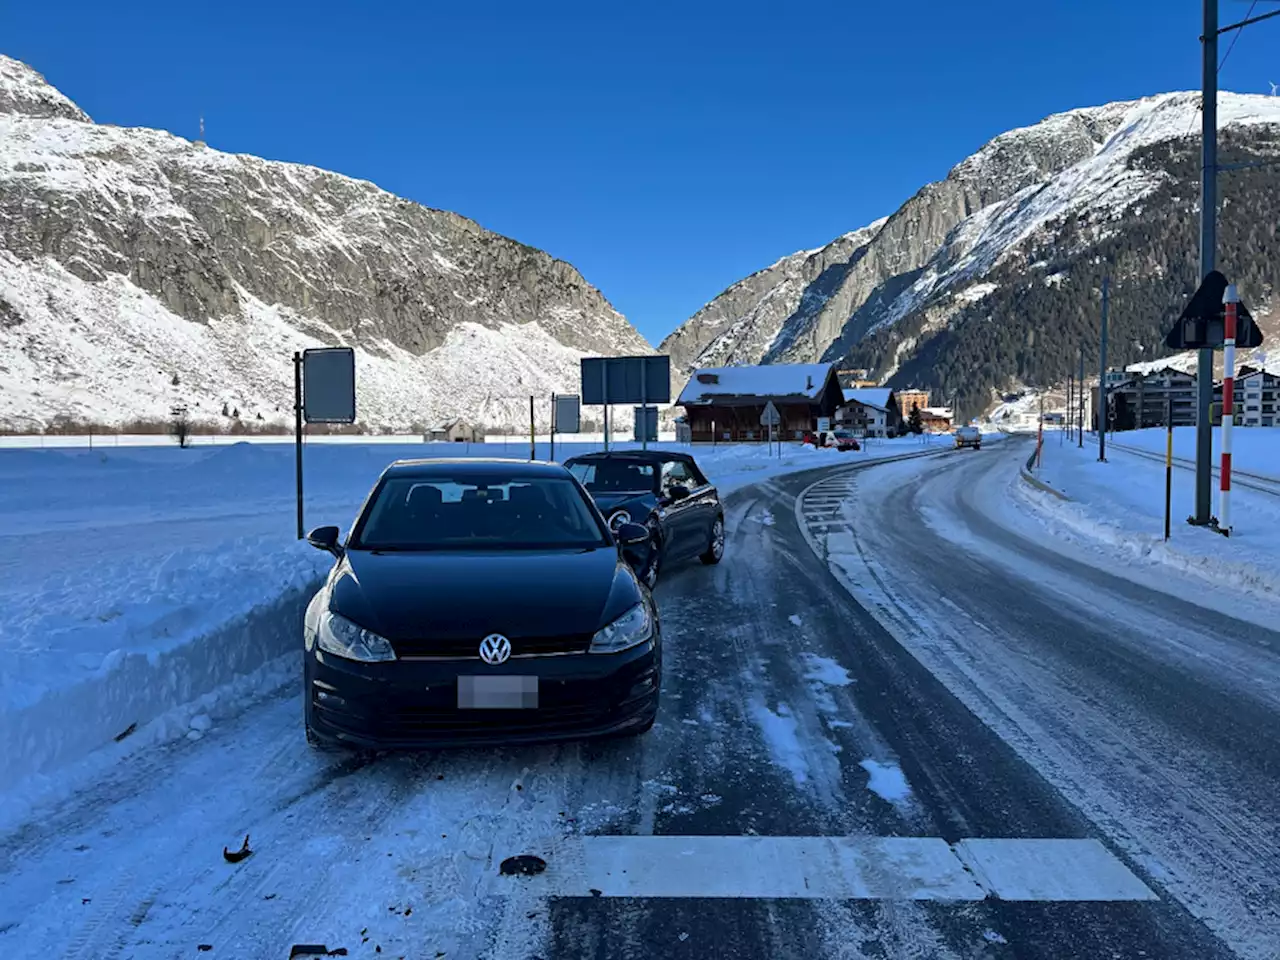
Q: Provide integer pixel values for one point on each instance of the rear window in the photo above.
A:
(478, 511)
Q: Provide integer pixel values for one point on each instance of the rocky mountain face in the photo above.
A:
(989, 279)
(139, 270)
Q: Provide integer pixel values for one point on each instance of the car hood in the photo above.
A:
(451, 595)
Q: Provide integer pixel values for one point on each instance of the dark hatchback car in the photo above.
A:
(479, 601)
(663, 491)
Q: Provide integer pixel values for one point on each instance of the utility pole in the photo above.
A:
(1066, 420)
(1101, 411)
(1080, 392)
(1208, 247)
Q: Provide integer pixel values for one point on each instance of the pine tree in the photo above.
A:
(914, 421)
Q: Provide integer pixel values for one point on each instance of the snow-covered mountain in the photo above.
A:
(139, 270)
(989, 277)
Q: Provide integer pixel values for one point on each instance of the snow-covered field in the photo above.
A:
(149, 588)
(1120, 504)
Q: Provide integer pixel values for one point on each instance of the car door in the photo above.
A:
(679, 516)
(705, 508)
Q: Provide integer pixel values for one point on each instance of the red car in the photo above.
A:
(842, 440)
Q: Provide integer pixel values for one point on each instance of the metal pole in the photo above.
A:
(553, 428)
(644, 409)
(1101, 410)
(1208, 248)
(1066, 420)
(1168, 462)
(1040, 434)
(1080, 415)
(1230, 299)
(604, 395)
(297, 431)
(533, 433)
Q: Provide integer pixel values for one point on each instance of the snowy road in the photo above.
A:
(795, 725)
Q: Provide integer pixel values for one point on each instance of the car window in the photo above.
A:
(459, 512)
(675, 472)
(614, 476)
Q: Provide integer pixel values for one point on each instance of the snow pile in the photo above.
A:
(1120, 504)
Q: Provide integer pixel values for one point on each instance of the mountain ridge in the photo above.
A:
(166, 256)
(951, 246)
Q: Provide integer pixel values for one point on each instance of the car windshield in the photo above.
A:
(464, 511)
(615, 476)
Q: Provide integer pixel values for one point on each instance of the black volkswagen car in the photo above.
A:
(479, 601)
(666, 493)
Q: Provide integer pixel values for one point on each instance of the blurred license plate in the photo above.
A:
(497, 693)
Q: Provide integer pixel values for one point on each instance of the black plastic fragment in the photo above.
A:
(526, 865)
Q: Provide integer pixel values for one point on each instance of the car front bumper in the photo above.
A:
(413, 704)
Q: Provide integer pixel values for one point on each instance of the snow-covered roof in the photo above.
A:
(768, 380)
(877, 397)
(937, 412)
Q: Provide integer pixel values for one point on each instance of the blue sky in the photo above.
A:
(665, 149)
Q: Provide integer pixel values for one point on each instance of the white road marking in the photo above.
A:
(830, 868)
(1051, 870)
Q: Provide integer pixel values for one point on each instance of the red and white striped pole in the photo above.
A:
(1229, 300)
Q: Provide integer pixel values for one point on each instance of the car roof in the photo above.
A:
(648, 456)
(476, 467)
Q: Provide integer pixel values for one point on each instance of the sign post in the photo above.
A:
(1230, 300)
(324, 391)
(1203, 326)
(770, 418)
(553, 428)
(1168, 463)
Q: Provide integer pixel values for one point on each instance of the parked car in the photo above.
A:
(479, 601)
(844, 440)
(969, 437)
(665, 492)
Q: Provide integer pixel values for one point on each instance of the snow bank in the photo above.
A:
(139, 579)
(1120, 504)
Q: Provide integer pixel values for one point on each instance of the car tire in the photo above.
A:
(715, 546)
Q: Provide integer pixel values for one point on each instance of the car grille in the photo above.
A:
(469, 649)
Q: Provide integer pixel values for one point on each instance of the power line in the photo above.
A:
(1232, 45)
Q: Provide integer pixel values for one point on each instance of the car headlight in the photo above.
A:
(631, 629)
(342, 638)
(618, 518)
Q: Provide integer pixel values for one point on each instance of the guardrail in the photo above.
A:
(1029, 477)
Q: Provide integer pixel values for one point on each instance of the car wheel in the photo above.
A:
(715, 548)
(650, 575)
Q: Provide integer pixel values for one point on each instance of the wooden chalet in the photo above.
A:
(725, 403)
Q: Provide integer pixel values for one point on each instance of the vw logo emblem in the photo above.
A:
(495, 649)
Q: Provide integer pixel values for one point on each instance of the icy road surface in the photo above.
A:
(993, 775)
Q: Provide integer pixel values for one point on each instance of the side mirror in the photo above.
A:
(326, 539)
(631, 534)
(677, 492)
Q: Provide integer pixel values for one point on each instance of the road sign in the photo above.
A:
(824, 424)
(329, 385)
(770, 417)
(646, 424)
(567, 413)
(1203, 322)
(641, 380)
